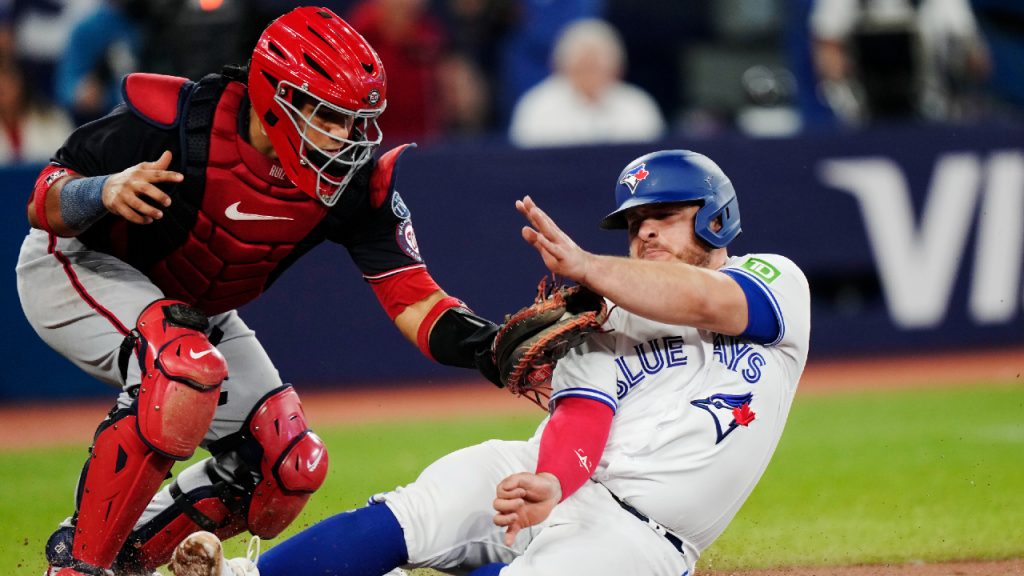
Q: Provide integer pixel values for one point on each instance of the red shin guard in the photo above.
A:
(132, 454)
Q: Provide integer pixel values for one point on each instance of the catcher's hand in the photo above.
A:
(533, 339)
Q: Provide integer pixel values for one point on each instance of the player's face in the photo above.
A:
(665, 232)
(327, 127)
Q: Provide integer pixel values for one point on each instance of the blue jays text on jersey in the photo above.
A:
(653, 356)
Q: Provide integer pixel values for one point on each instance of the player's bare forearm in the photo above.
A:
(409, 320)
(523, 500)
(671, 292)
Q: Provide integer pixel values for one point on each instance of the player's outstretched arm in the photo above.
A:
(525, 499)
(669, 292)
(72, 204)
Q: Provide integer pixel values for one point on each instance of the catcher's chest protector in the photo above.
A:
(236, 216)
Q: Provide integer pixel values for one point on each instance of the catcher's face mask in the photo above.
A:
(334, 141)
(310, 55)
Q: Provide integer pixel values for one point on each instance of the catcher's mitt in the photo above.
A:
(533, 339)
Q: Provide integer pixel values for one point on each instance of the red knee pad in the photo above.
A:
(181, 376)
(294, 463)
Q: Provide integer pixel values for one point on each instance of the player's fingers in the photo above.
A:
(161, 175)
(507, 505)
(510, 488)
(160, 163)
(510, 535)
(530, 210)
(125, 211)
(514, 481)
(156, 194)
(543, 222)
(530, 235)
(545, 245)
(505, 518)
(142, 207)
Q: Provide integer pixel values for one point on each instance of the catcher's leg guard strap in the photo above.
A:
(213, 506)
(118, 480)
(181, 376)
(293, 463)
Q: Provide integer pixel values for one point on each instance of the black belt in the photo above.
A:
(672, 538)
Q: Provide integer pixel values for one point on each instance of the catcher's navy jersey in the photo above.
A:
(236, 222)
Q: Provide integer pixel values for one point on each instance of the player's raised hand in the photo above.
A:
(560, 253)
(123, 192)
(523, 500)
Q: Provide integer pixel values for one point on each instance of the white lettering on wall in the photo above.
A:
(918, 262)
(1000, 248)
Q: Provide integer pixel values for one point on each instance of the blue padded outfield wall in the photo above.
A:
(913, 240)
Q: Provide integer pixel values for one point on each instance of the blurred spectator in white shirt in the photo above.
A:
(585, 101)
(30, 129)
(895, 59)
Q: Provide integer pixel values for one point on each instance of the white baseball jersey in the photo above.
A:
(697, 414)
(697, 417)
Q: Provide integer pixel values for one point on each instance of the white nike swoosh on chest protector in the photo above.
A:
(233, 213)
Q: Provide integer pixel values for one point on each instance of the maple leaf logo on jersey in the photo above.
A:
(634, 177)
(731, 408)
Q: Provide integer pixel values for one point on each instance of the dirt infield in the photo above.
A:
(52, 424)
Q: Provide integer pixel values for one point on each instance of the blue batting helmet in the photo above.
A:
(679, 176)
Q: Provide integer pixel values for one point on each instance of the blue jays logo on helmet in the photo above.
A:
(680, 176)
(634, 177)
(731, 408)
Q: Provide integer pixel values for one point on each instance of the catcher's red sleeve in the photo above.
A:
(573, 441)
(397, 291)
(50, 174)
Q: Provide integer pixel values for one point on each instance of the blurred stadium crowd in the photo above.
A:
(550, 72)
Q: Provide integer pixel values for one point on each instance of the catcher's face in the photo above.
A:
(665, 232)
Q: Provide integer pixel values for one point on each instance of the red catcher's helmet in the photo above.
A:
(311, 56)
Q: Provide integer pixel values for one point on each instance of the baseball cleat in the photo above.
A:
(201, 554)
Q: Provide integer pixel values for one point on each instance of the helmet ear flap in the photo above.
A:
(718, 225)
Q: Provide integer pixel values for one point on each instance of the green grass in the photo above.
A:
(888, 477)
(858, 478)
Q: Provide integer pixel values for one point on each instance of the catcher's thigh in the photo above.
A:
(447, 512)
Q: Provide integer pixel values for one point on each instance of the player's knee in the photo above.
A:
(293, 464)
(181, 377)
